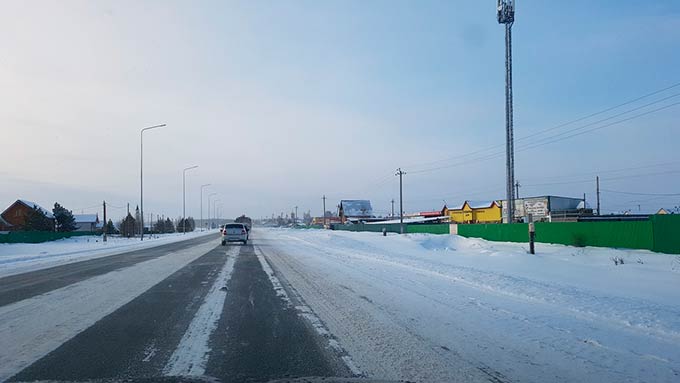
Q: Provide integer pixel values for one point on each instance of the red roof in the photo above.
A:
(427, 214)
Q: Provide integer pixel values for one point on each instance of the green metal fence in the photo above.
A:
(38, 236)
(516, 232)
(666, 233)
(440, 228)
(625, 234)
(660, 233)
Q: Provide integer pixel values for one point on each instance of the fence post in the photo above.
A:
(532, 234)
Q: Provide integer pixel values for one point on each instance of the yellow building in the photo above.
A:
(486, 212)
(460, 214)
(475, 212)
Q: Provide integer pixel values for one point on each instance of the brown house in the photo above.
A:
(4, 225)
(14, 217)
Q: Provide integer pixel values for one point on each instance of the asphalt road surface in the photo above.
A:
(21, 286)
(219, 315)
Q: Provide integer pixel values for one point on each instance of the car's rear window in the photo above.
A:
(234, 226)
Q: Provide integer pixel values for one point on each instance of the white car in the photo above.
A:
(234, 232)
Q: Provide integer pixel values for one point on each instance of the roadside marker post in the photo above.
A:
(532, 235)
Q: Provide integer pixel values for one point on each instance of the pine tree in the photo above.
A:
(138, 221)
(169, 227)
(189, 222)
(128, 226)
(36, 220)
(109, 228)
(64, 218)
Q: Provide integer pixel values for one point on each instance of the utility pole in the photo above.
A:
(401, 173)
(202, 186)
(517, 186)
(584, 201)
(105, 222)
(141, 174)
(324, 210)
(597, 183)
(506, 15)
(392, 207)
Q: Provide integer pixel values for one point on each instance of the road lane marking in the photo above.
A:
(191, 355)
(304, 311)
(278, 287)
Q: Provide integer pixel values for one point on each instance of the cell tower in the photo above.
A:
(506, 15)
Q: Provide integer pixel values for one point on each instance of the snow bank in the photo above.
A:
(18, 258)
(442, 307)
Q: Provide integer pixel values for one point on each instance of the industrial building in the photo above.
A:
(548, 208)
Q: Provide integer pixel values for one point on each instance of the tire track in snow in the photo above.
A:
(191, 356)
(308, 314)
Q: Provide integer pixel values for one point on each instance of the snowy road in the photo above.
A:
(194, 309)
(422, 308)
(446, 308)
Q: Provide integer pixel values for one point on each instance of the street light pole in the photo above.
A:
(184, 198)
(215, 208)
(202, 186)
(209, 195)
(141, 173)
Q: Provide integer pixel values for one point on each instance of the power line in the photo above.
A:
(551, 139)
(579, 119)
(643, 194)
(534, 145)
(606, 119)
(605, 179)
(599, 172)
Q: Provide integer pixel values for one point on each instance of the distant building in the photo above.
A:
(355, 210)
(4, 225)
(665, 211)
(14, 217)
(430, 214)
(548, 208)
(474, 212)
(318, 221)
(87, 222)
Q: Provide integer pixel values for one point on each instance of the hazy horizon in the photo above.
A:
(279, 103)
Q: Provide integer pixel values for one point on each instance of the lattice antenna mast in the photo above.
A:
(506, 15)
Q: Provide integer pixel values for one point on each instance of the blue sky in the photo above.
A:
(282, 102)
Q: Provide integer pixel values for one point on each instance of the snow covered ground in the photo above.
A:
(435, 308)
(18, 258)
